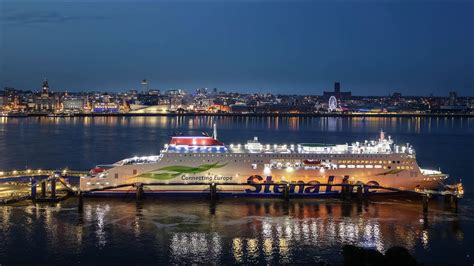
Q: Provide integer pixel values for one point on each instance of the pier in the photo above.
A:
(37, 185)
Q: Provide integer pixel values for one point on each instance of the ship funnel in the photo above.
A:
(214, 133)
(382, 135)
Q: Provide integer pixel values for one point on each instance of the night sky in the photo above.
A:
(372, 48)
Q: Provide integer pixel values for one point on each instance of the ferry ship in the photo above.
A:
(250, 169)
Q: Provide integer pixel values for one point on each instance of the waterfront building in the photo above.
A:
(153, 109)
(106, 108)
(73, 104)
(337, 92)
(239, 108)
(45, 101)
(218, 108)
(453, 96)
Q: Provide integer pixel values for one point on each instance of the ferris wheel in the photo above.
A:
(332, 104)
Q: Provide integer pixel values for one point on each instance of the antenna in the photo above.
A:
(214, 134)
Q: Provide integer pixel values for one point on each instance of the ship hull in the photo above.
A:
(256, 186)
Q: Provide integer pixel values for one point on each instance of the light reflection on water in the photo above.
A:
(235, 231)
(413, 124)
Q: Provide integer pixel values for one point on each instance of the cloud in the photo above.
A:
(42, 17)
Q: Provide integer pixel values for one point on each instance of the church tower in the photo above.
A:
(45, 89)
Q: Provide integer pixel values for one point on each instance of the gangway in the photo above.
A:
(41, 178)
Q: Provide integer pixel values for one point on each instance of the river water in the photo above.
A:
(232, 230)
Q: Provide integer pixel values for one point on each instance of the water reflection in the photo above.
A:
(195, 247)
(245, 231)
(328, 124)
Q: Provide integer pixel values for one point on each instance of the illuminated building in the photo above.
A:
(45, 102)
(106, 108)
(337, 92)
(73, 104)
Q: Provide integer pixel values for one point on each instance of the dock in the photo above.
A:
(52, 185)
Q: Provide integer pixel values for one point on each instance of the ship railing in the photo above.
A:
(455, 191)
(40, 172)
(271, 184)
(429, 172)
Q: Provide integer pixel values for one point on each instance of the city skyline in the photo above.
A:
(281, 48)
(146, 88)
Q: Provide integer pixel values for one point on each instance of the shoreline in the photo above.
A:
(443, 115)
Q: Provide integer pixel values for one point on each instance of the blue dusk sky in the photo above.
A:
(302, 47)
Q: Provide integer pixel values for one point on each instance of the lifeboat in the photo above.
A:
(99, 169)
(96, 170)
(312, 162)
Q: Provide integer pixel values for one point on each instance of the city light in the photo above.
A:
(174, 101)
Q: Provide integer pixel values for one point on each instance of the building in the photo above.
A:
(45, 101)
(154, 109)
(239, 108)
(73, 105)
(175, 92)
(144, 85)
(106, 108)
(337, 92)
(201, 91)
(453, 98)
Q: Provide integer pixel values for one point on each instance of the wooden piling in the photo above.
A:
(448, 198)
(345, 188)
(140, 192)
(286, 192)
(80, 203)
(455, 203)
(43, 189)
(53, 188)
(213, 191)
(33, 189)
(451, 201)
(426, 198)
(346, 192)
(360, 191)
